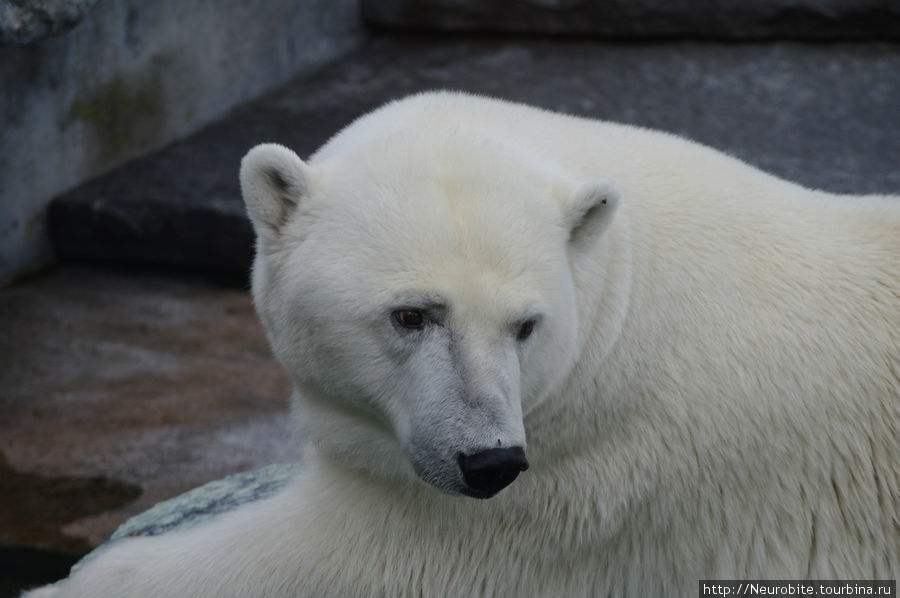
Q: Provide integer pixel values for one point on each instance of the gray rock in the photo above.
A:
(825, 116)
(207, 501)
(629, 19)
(25, 21)
(201, 504)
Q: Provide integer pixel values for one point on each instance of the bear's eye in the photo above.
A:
(525, 330)
(410, 318)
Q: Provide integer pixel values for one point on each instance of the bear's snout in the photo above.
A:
(488, 472)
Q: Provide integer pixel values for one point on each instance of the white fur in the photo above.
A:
(711, 389)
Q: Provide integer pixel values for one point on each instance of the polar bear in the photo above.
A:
(658, 363)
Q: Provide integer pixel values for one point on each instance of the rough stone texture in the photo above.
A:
(118, 391)
(132, 76)
(624, 19)
(201, 504)
(825, 116)
(207, 501)
(25, 21)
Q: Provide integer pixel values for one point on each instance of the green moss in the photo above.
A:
(123, 115)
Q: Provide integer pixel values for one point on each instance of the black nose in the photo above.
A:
(490, 471)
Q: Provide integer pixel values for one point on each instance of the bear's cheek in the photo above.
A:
(547, 363)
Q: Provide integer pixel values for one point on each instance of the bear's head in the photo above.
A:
(421, 297)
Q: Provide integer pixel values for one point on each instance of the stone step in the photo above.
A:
(642, 19)
(823, 115)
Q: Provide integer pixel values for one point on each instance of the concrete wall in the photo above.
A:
(132, 76)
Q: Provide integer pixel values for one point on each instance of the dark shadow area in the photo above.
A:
(34, 509)
(26, 568)
(37, 507)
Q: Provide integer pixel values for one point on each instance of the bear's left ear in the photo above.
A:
(590, 210)
(274, 180)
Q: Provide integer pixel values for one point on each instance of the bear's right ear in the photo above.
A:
(590, 211)
(274, 181)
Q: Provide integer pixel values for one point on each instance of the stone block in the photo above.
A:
(824, 116)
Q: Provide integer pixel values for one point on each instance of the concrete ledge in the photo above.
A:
(821, 115)
(631, 19)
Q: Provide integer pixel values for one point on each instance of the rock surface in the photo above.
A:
(123, 390)
(822, 115)
(632, 19)
(200, 504)
(207, 501)
(25, 21)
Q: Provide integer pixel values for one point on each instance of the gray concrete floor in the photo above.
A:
(119, 390)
